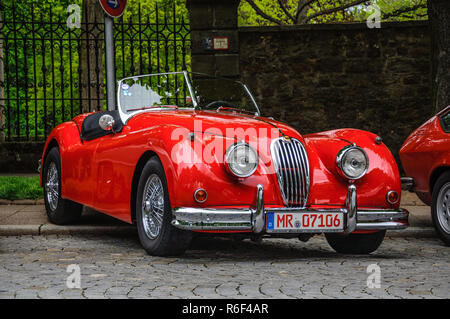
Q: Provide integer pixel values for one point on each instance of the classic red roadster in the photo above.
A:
(178, 158)
(425, 156)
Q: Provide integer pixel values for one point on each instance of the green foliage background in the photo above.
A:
(248, 17)
(38, 100)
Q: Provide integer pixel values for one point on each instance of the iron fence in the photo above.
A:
(50, 72)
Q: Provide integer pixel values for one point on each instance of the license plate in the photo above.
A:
(304, 222)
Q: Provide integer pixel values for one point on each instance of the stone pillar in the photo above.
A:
(214, 37)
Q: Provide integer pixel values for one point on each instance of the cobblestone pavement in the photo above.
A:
(117, 267)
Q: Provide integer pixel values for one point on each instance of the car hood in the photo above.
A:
(227, 124)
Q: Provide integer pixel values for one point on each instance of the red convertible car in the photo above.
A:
(187, 152)
(425, 156)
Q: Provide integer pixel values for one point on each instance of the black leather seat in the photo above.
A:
(90, 129)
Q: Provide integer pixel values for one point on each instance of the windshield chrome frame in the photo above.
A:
(125, 117)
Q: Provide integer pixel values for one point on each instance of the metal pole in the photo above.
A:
(110, 63)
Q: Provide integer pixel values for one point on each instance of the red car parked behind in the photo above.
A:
(425, 156)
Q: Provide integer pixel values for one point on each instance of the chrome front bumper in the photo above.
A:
(254, 219)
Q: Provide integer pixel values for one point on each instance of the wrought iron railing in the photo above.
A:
(52, 72)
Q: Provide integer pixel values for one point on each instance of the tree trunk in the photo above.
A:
(91, 57)
(439, 17)
(2, 85)
(303, 15)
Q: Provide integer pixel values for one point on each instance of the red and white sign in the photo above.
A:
(114, 8)
(220, 43)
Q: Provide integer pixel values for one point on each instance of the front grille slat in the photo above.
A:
(292, 169)
(305, 173)
(302, 174)
(300, 183)
(283, 171)
(294, 175)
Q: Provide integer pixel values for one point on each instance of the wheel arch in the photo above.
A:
(438, 171)
(135, 181)
(51, 144)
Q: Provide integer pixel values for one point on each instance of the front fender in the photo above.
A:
(198, 163)
(64, 136)
(382, 175)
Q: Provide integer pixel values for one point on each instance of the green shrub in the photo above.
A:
(17, 187)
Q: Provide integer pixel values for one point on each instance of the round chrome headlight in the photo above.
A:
(352, 162)
(241, 159)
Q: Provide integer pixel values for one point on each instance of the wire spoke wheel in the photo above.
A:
(153, 206)
(52, 186)
(443, 207)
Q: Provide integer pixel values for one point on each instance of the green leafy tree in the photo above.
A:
(282, 12)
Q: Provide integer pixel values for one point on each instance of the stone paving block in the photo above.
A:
(115, 266)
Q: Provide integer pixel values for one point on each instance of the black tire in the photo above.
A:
(62, 211)
(355, 244)
(169, 240)
(440, 185)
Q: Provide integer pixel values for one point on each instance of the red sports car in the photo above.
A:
(178, 158)
(425, 156)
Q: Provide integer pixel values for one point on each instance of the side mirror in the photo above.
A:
(106, 122)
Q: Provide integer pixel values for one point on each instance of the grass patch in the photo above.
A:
(18, 187)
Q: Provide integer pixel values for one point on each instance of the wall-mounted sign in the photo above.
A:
(216, 43)
(207, 44)
(221, 43)
(114, 8)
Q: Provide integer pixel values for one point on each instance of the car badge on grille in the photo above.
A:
(287, 138)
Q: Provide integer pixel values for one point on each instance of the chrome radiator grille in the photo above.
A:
(292, 169)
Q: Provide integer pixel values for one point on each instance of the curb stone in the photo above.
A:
(419, 232)
(18, 230)
(22, 202)
(50, 229)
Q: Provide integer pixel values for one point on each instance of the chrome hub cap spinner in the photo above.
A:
(153, 206)
(52, 186)
(443, 208)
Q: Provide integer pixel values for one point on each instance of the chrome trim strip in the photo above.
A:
(258, 216)
(306, 174)
(300, 174)
(212, 219)
(191, 89)
(252, 98)
(351, 204)
(384, 216)
(381, 226)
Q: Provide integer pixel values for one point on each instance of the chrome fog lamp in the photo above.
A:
(352, 162)
(241, 160)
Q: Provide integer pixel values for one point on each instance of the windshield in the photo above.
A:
(222, 94)
(154, 91)
(183, 90)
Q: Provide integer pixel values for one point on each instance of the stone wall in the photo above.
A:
(323, 77)
(20, 157)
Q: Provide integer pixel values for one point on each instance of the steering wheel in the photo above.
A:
(219, 104)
